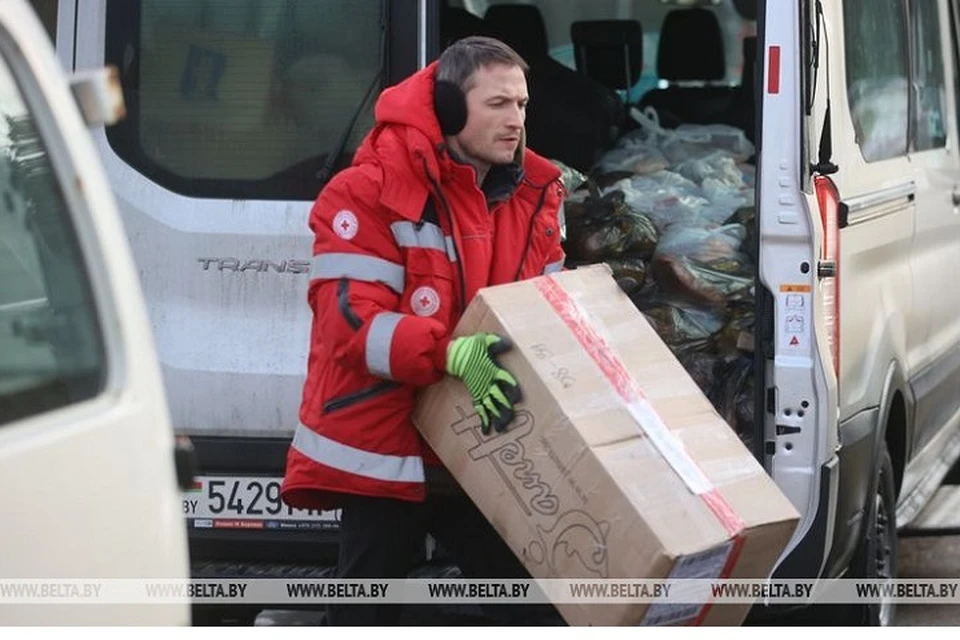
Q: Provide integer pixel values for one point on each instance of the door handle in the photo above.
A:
(956, 196)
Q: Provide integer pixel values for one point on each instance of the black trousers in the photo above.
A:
(383, 537)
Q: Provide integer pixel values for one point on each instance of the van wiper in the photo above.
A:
(813, 58)
(825, 165)
(326, 171)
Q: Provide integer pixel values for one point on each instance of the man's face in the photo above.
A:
(496, 110)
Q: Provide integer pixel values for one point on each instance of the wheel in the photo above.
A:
(881, 550)
(876, 556)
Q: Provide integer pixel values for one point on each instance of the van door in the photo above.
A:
(936, 167)
(800, 418)
(86, 447)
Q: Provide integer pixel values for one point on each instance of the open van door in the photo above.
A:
(90, 490)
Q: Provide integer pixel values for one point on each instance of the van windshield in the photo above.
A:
(241, 98)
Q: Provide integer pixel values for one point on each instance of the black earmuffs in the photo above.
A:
(450, 105)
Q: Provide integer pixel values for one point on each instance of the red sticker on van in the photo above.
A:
(773, 70)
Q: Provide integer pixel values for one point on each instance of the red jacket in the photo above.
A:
(391, 277)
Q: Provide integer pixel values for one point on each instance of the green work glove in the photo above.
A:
(493, 389)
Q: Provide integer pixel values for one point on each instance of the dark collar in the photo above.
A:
(501, 180)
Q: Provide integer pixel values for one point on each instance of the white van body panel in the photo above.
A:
(880, 322)
(883, 318)
(786, 230)
(898, 270)
(66, 19)
(90, 489)
(205, 323)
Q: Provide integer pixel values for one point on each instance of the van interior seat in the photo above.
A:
(457, 23)
(571, 118)
(609, 51)
(690, 50)
(521, 26)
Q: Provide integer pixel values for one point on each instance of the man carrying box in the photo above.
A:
(442, 199)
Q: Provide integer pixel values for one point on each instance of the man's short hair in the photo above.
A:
(462, 58)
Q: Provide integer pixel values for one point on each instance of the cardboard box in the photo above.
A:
(616, 466)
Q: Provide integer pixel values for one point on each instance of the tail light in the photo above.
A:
(828, 199)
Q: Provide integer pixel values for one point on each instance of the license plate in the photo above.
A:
(252, 502)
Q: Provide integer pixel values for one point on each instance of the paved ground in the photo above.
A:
(929, 558)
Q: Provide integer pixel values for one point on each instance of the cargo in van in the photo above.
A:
(654, 138)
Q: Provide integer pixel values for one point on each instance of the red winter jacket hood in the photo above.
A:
(404, 239)
(410, 104)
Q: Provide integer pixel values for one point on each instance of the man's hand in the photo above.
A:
(493, 389)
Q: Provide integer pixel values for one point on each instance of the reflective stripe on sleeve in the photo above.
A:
(340, 456)
(451, 249)
(424, 236)
(379, 339)
(332, 266)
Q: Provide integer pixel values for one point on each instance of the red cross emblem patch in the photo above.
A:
(425, 301)
(345, 224)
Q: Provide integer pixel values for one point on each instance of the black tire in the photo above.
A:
(876, 555)
(223, 615)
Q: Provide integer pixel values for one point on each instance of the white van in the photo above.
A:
(847, 118)
(90, 489)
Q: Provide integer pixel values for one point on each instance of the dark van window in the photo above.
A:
(242, 98)
(929, 125)
(877, 76)
(51, 349)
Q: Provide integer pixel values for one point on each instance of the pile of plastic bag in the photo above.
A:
(671, 211)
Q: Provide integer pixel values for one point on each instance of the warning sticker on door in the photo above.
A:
(794, 319)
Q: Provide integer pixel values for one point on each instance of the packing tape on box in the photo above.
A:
(652, 425)
(637, 404)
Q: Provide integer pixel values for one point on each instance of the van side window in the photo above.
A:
(955, 51)
(930, 128)
(242, 98)
(877, 76)
(51, 349)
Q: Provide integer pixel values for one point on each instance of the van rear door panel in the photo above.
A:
(799, 429)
